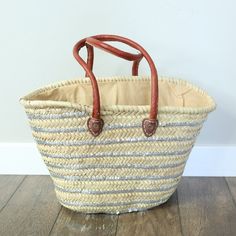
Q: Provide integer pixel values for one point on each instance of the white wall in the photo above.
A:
(194, 40)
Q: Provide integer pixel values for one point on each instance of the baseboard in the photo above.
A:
(24, 159)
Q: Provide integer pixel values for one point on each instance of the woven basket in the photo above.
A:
(118, 160)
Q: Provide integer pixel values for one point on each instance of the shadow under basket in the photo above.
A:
(120, 170)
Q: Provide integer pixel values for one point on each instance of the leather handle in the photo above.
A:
(95, 123)
(136, 58)
(90, 57)
(115, 51)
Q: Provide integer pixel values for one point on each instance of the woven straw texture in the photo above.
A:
(121, 170)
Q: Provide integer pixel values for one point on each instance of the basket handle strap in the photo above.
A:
(136, 58)
(95, 123)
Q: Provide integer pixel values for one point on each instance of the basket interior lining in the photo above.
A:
(127, 92)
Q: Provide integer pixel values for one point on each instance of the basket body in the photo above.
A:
(121, 170)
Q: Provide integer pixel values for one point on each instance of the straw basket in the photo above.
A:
(127, 154)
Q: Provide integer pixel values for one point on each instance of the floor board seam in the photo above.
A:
(180, 220)
(55, 221)
(18, 186)
(117, 221)
(227, 184)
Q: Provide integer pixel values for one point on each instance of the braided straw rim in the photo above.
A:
(28, 103)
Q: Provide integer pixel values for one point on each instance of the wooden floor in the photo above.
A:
(200, 206)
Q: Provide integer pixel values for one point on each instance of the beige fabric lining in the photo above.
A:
(133, 92)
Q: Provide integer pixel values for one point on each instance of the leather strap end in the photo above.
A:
(95, 126)
(149, 126)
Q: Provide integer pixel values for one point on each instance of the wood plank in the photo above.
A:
(8, 186)
(206, 207)
(32, 210)
(231, 181)
(161, 220)
(74, 223)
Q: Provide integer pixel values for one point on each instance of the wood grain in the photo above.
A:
(206, 207)
(72, 223)
(32, 210)
(201, 206)
(161, 220)
(231, 181)
(8, 186)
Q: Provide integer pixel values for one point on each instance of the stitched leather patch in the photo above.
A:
(95, 126)
(149, 127)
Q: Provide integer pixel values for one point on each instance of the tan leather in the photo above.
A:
(90, 56)
(97, 41)
(95, 126)
(89, 73)
(136, 58)
(115, 51)
(149, 126)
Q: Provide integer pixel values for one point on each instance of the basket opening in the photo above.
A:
(133, 91)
